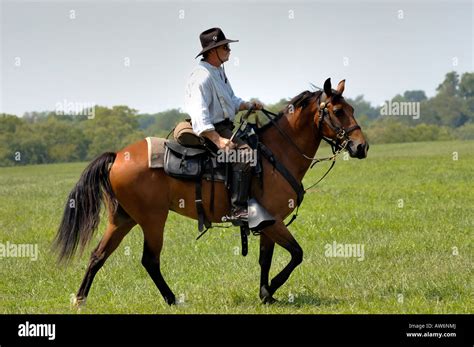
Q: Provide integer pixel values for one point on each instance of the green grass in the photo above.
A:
(409, 265)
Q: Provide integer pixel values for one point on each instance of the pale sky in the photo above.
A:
(77, 51)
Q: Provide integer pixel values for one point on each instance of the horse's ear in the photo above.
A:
(340, 87)
(327, 87)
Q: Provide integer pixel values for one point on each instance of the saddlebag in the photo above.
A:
(184, 162)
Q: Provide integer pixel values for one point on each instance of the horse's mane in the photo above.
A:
(301, 100)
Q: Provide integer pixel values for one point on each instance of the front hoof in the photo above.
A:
(265, 295)
(269, 300)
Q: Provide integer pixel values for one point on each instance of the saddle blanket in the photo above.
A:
(156, 152)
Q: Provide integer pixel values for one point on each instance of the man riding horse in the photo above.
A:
(134, 193)
(212, 106)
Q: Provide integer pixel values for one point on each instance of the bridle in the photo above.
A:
(342, 134)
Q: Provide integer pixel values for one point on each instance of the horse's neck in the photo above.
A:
(302, 132)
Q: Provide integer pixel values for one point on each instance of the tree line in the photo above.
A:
(51, 137)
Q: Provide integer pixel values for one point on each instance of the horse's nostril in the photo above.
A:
(362, 150)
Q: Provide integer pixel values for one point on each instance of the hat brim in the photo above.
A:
(217, 44)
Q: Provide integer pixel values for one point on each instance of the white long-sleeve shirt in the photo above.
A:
(209, 99)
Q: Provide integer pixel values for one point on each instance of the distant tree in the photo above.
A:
(9, 126)
(145, 120)
(111, 129)
(9, 123)
(167, 120)
(164, 122)
(449, 86)
(363, 107)
(278, 106)
(466, 86)
(414, 95)
(33, 117)
(448, 106)
(392, 131)
(64, 141)
(27, 146)
(466, 132)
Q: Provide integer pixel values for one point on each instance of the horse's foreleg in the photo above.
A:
(267, 246)
(282, 236)
(113, 236)
(153, 233)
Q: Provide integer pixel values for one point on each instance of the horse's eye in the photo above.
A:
(338, 112)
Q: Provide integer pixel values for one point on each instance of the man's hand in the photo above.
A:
(226, 144)
(219, 141)
(257, 105)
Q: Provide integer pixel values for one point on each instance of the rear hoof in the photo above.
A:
(171, 300)
(78, 303)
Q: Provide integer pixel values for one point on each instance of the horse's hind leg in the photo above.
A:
(153, 233)
(118, 226)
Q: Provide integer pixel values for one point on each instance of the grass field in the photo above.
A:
(418, 251)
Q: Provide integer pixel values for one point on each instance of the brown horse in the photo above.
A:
(135, 194)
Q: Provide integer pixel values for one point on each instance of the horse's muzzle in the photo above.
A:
(358, 150)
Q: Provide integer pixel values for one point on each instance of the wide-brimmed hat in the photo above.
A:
(212, 38)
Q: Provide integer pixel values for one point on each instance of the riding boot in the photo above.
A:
(240, 189)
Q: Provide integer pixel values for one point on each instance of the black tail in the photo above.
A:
(82, 212)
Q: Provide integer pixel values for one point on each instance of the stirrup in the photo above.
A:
(237, 221)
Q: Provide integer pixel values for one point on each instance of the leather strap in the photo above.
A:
(297, 186)
(202, 220)
(213, 167)
(244, 232)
